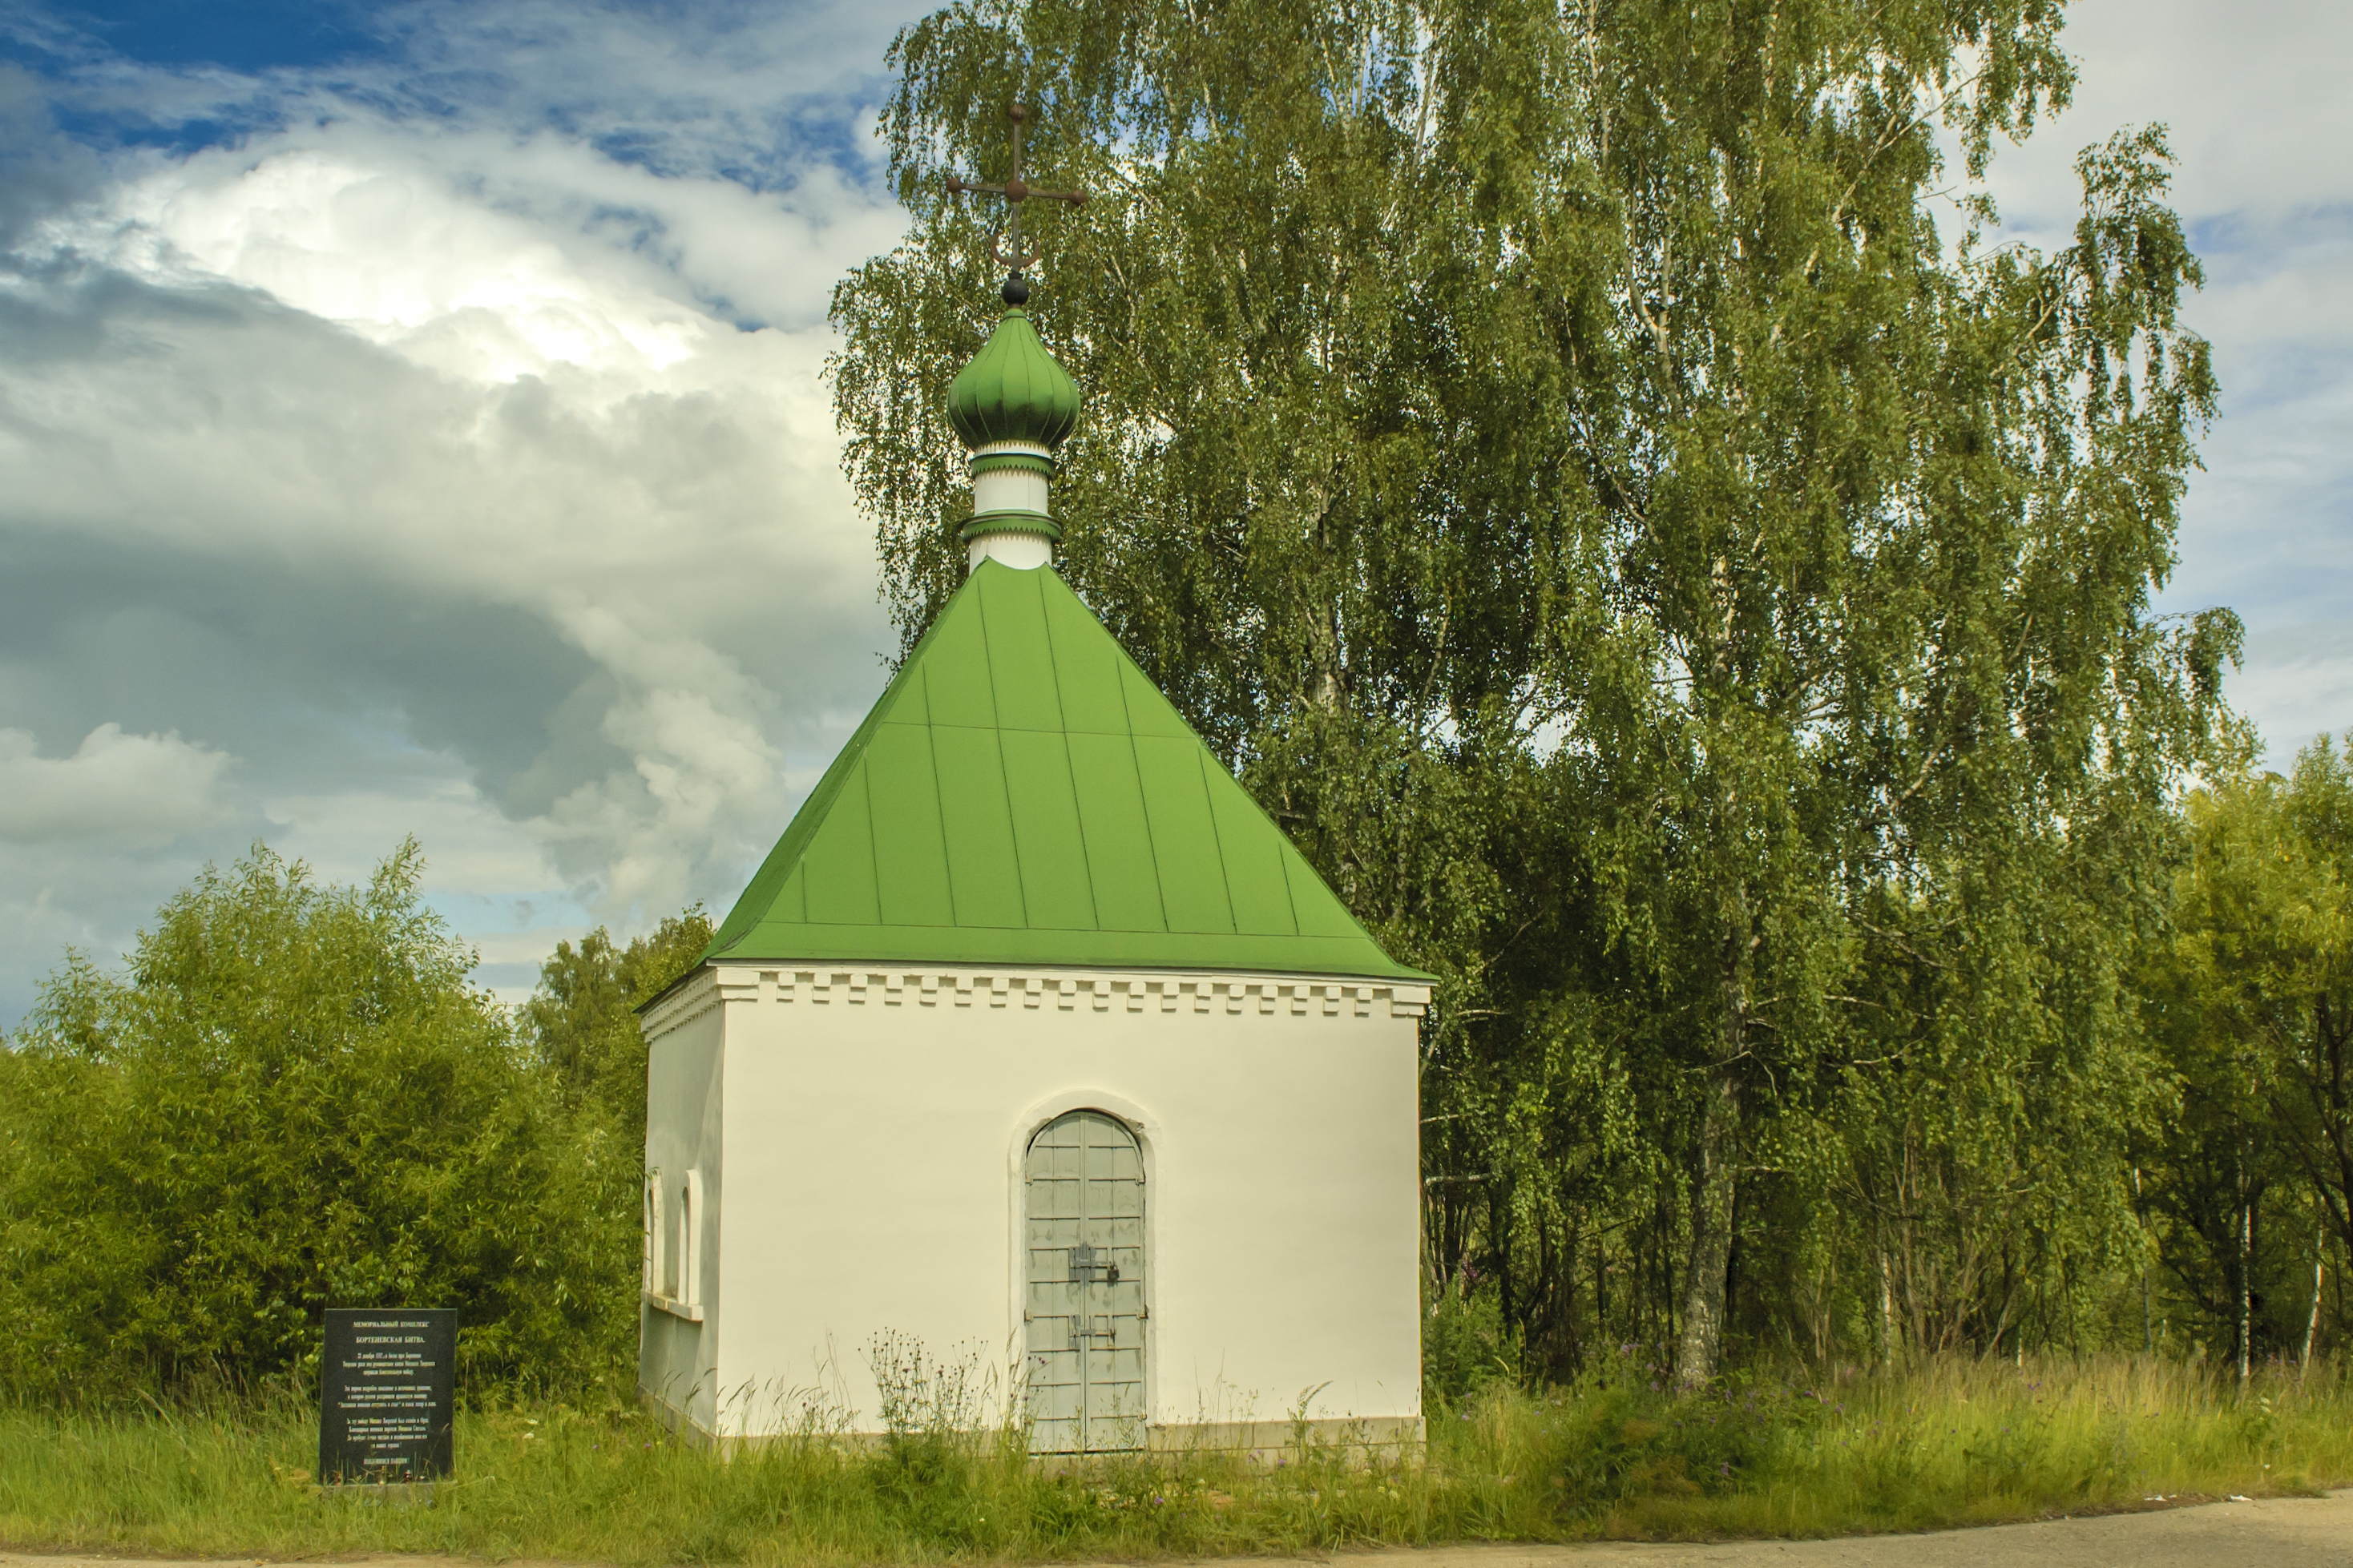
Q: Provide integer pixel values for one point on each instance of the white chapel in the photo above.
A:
(1034, 1033)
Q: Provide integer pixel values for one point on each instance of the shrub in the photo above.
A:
(293, 1097)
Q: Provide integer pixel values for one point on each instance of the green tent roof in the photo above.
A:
(1023, 794)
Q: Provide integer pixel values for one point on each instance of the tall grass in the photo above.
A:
(1948, 1443)
(1958, 1442)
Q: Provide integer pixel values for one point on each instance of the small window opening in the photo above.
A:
(653, 1250)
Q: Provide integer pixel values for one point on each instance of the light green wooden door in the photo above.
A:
(1084, 1313)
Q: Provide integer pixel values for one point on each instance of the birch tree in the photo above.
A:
(1592, 469)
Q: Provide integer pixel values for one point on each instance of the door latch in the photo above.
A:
(1091, 1265)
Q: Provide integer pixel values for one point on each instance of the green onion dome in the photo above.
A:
(1013, 390)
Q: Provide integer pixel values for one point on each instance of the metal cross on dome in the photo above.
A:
(1015, 191)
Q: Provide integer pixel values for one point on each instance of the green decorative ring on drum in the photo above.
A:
(1037, 522)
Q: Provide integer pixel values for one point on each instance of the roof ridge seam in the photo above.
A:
(865, 776)
(1283, 862)
(939, 801)
(1003, 779)
(1135, 755)
(1069, 763)
(1217, 835)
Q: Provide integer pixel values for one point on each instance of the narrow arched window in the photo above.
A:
(690, 1223)
(652, 1250)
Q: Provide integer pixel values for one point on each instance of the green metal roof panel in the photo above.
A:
(839, 861)
(1252, 848)
(1149, 711)
(1119, 839)
(906, 702)
(983, 872)
(1086, 668)
(1046, 831)
(1192, 885)
(955, 677)
(1022, 795)
(1021, 661)
(1317, 917)
(910, 854)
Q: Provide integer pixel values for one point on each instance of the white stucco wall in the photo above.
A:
(678, 1357)
(873, 1124)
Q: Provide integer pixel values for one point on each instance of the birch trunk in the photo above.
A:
(1700, 1352)
(2246, 1287)
(2312, 1323)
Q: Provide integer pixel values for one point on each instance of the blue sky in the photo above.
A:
(254, 36)
(410, 422)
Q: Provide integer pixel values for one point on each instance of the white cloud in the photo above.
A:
(134, 790)
(2251, 95)
(459, 401)
(2298, 683)
(463, 361)
(392, 254)
(391, 231)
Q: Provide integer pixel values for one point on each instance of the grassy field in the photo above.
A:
(1952, 1443)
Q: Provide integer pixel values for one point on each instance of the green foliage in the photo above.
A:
(934, 1458)
(294, 1098)
(1466, 1345)
(581, 1032)
(1951, 1443)
(581, 1019)
(1671, 587)
(1634, 1440)
(2250, 1186)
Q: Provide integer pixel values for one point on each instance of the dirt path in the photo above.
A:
(2285, 1533)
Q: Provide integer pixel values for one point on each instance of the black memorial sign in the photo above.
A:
(387, 1394)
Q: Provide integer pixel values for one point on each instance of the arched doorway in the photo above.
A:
(1083, 1310)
